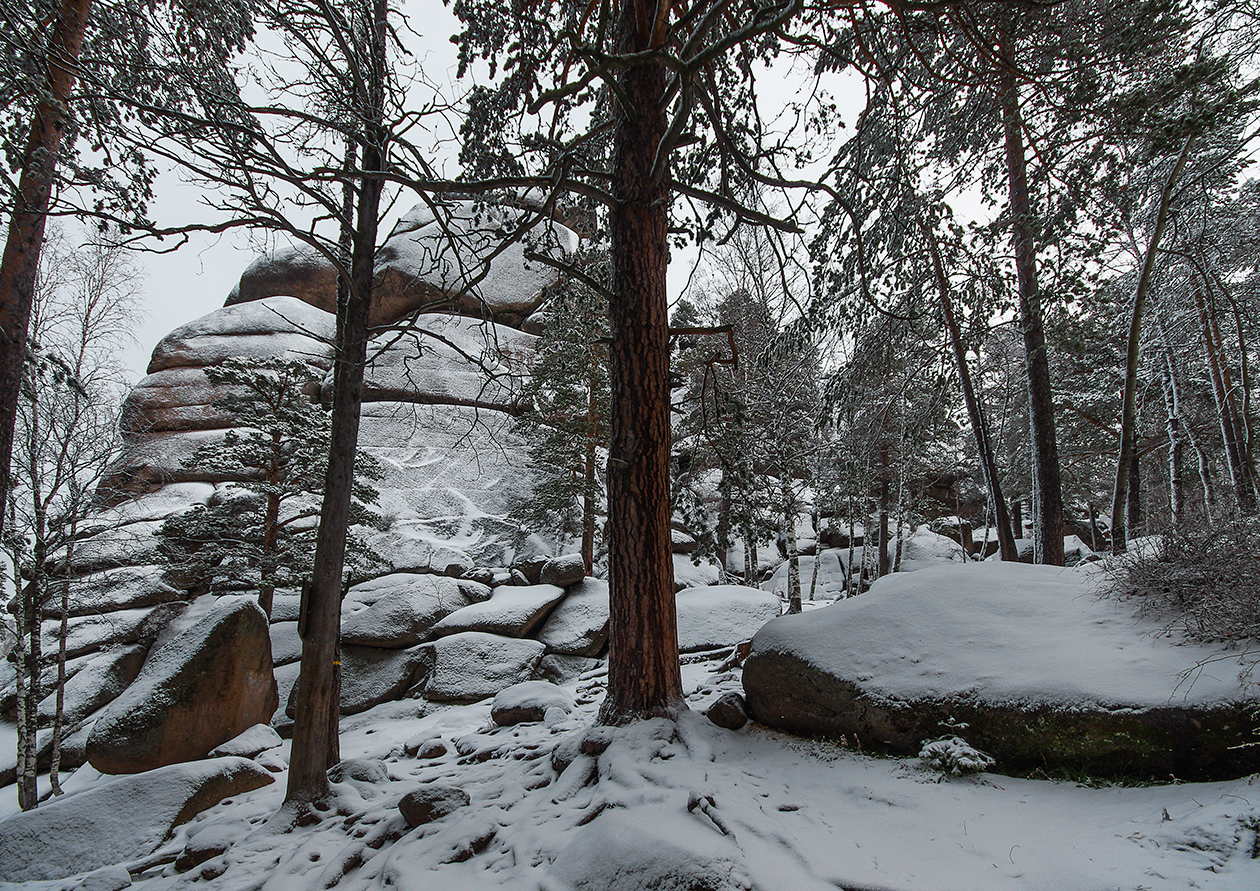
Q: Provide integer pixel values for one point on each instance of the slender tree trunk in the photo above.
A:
(1093, 528)
(316, 745)
(1244, 385)
(1135, 492)
(979, 427)
(1174, 386)
(793, 551)
(885, 559)
(1235, 409)
(1017, 517)
(848, 572)
(1176, 449)
(723, 532)
(19, 265)
(1048, 489)
(270, 547)
(1237, 475)
(589, 482)
(644, 678)
(1128, 406)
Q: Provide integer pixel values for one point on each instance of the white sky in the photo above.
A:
(195, 279)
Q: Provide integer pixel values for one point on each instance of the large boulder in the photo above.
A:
(118, 821)
(473, 665)
(579, 625)
(448, 360)
(200, 688)
(722, 615)
(514, 611)
(277, 326)
(119, 588)
(1040, 671)
(399, 609)
(426, 264)
(101, 680)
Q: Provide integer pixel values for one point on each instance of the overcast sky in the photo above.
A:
(194, 280)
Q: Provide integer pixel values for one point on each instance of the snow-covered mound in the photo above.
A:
(1041, 668)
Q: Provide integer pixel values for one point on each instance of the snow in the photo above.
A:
(274, 326)
(579, 625)
(248, 743)
(473, 665)
(800, 814)
(511, 610)
(722, 615)
(1005, 633)
(399, 609)
(117, 821)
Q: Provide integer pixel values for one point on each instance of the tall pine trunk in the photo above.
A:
(1048, 488)
(1238, 476)
(19, 265)
(644, 677)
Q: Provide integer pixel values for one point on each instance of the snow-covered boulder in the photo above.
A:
(425, 264)
(370, 675)
(1037, 667)
(579, 625)
(250, 742)
(448, 360)
(399, 609)
(831, 576)
(722, 615)
(473, 665)
(527, 702)
(102, 679)
(688, 574)
(118, 821)
(286, 646)
(88, 634)
(201, 688)
(512, 610)
(122, 587)
(279, 326)
(565, 570)
(653, 847)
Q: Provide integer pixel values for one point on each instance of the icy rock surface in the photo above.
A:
(722, 615)
(579, 625)
(117, 821)
(512, 610)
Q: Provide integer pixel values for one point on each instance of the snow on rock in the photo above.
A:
(399, 609)
(286, 646)
(722, 615)
(656, 847)
(831, 576)
(448, 360)
(512, 610)
(130, 545)
(729, 711)
(1040, 668)
(371, 675)
(451, 477)
(118, 821)
(122, 587)
(176, 399)
(198, 689)
(473, 665)
(249, 743)
(156, 505)
(528, 701)
(925, 548)
(101, 680)
(277, 326)
(90, 633)
(579, 625)
(565, 570)
(691, 575)
(429, 803)
(424, 264)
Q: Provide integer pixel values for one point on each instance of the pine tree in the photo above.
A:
(566, 416)
(261, 533)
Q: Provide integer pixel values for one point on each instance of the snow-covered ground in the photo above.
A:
(797, 814)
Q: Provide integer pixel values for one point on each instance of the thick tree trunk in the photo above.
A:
(644, 678)
(979, 427)
(1128, 406)
(19, 266)
(1048, 490)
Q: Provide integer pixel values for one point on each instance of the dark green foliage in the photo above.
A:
(260, 533)
(566, 416)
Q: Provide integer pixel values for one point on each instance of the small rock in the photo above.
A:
(250, 744)
(210, 842)
(429, 803)
(434, 748)
(363, 770)
(481, 575)
(555, 715)
(729, 711)
(528, 702)
(519, 578)
(596, 741)
(568, 569)
(531, 567)
(107, 878)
